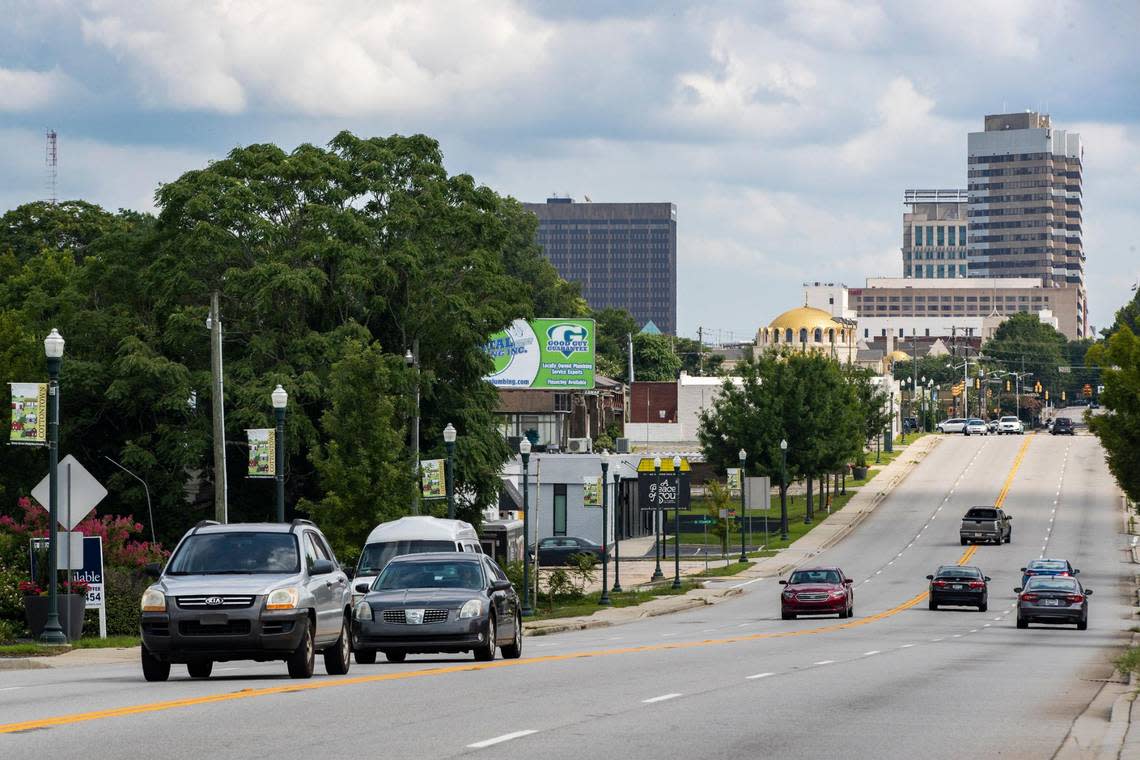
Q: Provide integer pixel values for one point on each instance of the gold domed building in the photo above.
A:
(809, 329)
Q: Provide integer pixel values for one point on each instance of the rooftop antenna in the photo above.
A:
(51, 158)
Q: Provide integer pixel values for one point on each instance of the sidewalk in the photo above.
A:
(74, 658)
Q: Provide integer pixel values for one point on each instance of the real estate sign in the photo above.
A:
(544, 354)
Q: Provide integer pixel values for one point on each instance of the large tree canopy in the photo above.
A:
(1119, 427)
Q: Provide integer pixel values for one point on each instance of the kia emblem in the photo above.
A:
(213, 601)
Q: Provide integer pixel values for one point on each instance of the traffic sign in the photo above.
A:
(79, 492)
(704, 521)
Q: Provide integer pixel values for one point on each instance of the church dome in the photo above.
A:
(900, 356)
(804, 318)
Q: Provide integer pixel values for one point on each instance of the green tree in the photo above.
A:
(1023, 343)
(1126, 316)
(1119, 428)
(870, 407)
(654, 359)
(613, 326)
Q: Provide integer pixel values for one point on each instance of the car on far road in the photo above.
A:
(952, 425)
(975, 427)
(1010, 426)
(1053, 600)
(1063, 426)
(817, 591)
(992, 425)
(445, 602)
(959, 585)
(1048, 567)
(988, 524)
(558, 550)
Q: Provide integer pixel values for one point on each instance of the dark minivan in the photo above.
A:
(1063, 426)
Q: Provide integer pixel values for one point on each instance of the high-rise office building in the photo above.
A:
(934, 234)
(1024, 210)
(623, 254)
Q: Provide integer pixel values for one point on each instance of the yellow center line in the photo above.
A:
(1012, 472)
(118, 712)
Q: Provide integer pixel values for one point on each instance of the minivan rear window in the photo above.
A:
(376, 556)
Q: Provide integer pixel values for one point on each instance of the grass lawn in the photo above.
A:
(720, 572)
(588, 604)
(35, 649)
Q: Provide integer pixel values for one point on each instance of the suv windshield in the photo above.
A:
(377, 556)
(244, 553)
(441, 574)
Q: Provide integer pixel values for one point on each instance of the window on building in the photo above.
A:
(941, 235)
(951, 236)
(941, 270)
(961, 270)
(900, 332)
(884, 332)
(788, 335)
(918, 271)
(928, 332)
(866, 333)
(818, 337)
(962, 235)
(929, 270)
(560, 509)
(803, 335)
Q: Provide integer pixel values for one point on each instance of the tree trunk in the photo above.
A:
(808, 510)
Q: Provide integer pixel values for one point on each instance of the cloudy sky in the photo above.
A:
(784, 132)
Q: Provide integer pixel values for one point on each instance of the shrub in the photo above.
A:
(583, 570)
(10, 631)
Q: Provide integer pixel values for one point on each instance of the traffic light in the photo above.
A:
(1008, 386)
(1037, 387)
(1046, 395)
(1062, 395)
(977, 383)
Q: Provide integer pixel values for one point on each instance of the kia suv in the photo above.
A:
(247, 591)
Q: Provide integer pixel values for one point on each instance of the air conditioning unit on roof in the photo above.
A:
(580, 446)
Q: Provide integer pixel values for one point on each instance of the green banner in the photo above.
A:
(261, 452)
(29, 414)
(433, 478)
(544, 354)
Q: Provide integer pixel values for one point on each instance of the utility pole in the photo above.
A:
(914, 371)
(629, 343)
(701, 348)
(214, 323)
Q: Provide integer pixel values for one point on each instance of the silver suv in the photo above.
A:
(252, 591)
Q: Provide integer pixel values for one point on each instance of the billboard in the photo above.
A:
(543, 354)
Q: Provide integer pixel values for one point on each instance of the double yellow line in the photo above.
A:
(293, 688)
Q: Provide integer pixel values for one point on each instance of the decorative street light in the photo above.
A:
(524, 451)
(604, 599)
(658, 548)
(449, 444)
(280, 401)
(783, 489)
(53, 349)
(617, 539)
(677, 525)
(743, 455)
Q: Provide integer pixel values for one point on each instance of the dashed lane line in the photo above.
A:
(501, 739)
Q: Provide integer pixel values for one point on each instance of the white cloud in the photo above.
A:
(26, 90)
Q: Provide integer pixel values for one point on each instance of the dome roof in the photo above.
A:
(804, 317)
(900, 356)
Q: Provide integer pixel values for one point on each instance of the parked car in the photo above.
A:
(959, 585)
(975, 427)
(247, 591)
(445, 602)
(817, 591)
(1053, 600)
(952, 425)
(1063, 426)
(412, 535)
(909, 424)
(1010, 425)
(1048, 568)
(558, 550)
(992, 425)
(986, 524)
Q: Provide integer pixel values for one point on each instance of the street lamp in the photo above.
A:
(783, 489)
(657, 548)
(743, 455)
(677, 525)
(280, 401)
(53, 349)
(412, 359)
(449, 444)
(524, 451)
(604, 599)
(617, 540)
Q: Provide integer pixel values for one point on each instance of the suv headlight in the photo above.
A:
(470, 609)
(362, 611)
(282, 599)
(153, 600)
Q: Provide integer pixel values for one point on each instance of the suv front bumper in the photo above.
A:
(251, 633)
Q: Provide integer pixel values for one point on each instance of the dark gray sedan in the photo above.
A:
(1055, 600)
(446, 602)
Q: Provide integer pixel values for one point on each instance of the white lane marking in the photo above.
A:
(745, 583)
(708, 630)
(906, 646)
(11, 688)
(759, 675)
(742, 625)
(973, 630)
(501, 739)
(615, 638)
(823, 662)
(997, 618)
(940, 638)
(662, 698)
(957, 636)
(873, 651)
(666, 635)
(878, 571)
(987, 625)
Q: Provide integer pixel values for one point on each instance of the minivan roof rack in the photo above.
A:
(300, 521)
(203, 524)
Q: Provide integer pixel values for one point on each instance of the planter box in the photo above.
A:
(859, 473)
(71, 608)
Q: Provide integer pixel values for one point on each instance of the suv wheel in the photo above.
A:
(487, 653)
(153, 668)
(513, 650)
(338, 657)
(200, 668)
(304, 658)
(364, 656)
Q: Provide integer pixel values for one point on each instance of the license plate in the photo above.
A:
(1051, 602)
(979, 535)
(957, 586)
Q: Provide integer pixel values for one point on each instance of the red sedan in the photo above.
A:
(817, 591)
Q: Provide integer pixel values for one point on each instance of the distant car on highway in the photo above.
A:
(952, 425)
(1063, 426)
(817, 591)
(975, 426)
(558, 550)
(445, 602)
(1053, 600)
(986, 524)
(1047, 567)
(992, 425)
(959, 585)
(1011, 426)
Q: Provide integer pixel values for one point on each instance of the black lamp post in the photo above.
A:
(604, 599)
(743, 458)
(677, 525)
(524, 451)
(449, 476)
(53, 349)
(280, 401)
(783, 489)
(617, 541)
(657, 548)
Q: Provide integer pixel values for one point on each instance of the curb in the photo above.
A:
(683, 603)
(22, 663)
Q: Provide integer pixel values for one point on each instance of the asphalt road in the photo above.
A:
(729, 681)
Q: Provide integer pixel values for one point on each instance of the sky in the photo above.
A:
(785, 132)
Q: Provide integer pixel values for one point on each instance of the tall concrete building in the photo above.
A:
(934, 234)
(1024, 208)
(623, 254)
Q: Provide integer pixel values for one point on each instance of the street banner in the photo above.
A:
(29, 414)
(591, 491)
(733, 481)
(543, 354)
(262, 444)
(667, 491)
(433, 478)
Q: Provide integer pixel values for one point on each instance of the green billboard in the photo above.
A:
(543, 354)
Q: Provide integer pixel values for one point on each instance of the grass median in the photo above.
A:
(36, 649)
(587, 604)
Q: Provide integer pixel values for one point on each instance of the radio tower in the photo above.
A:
(51, 158)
